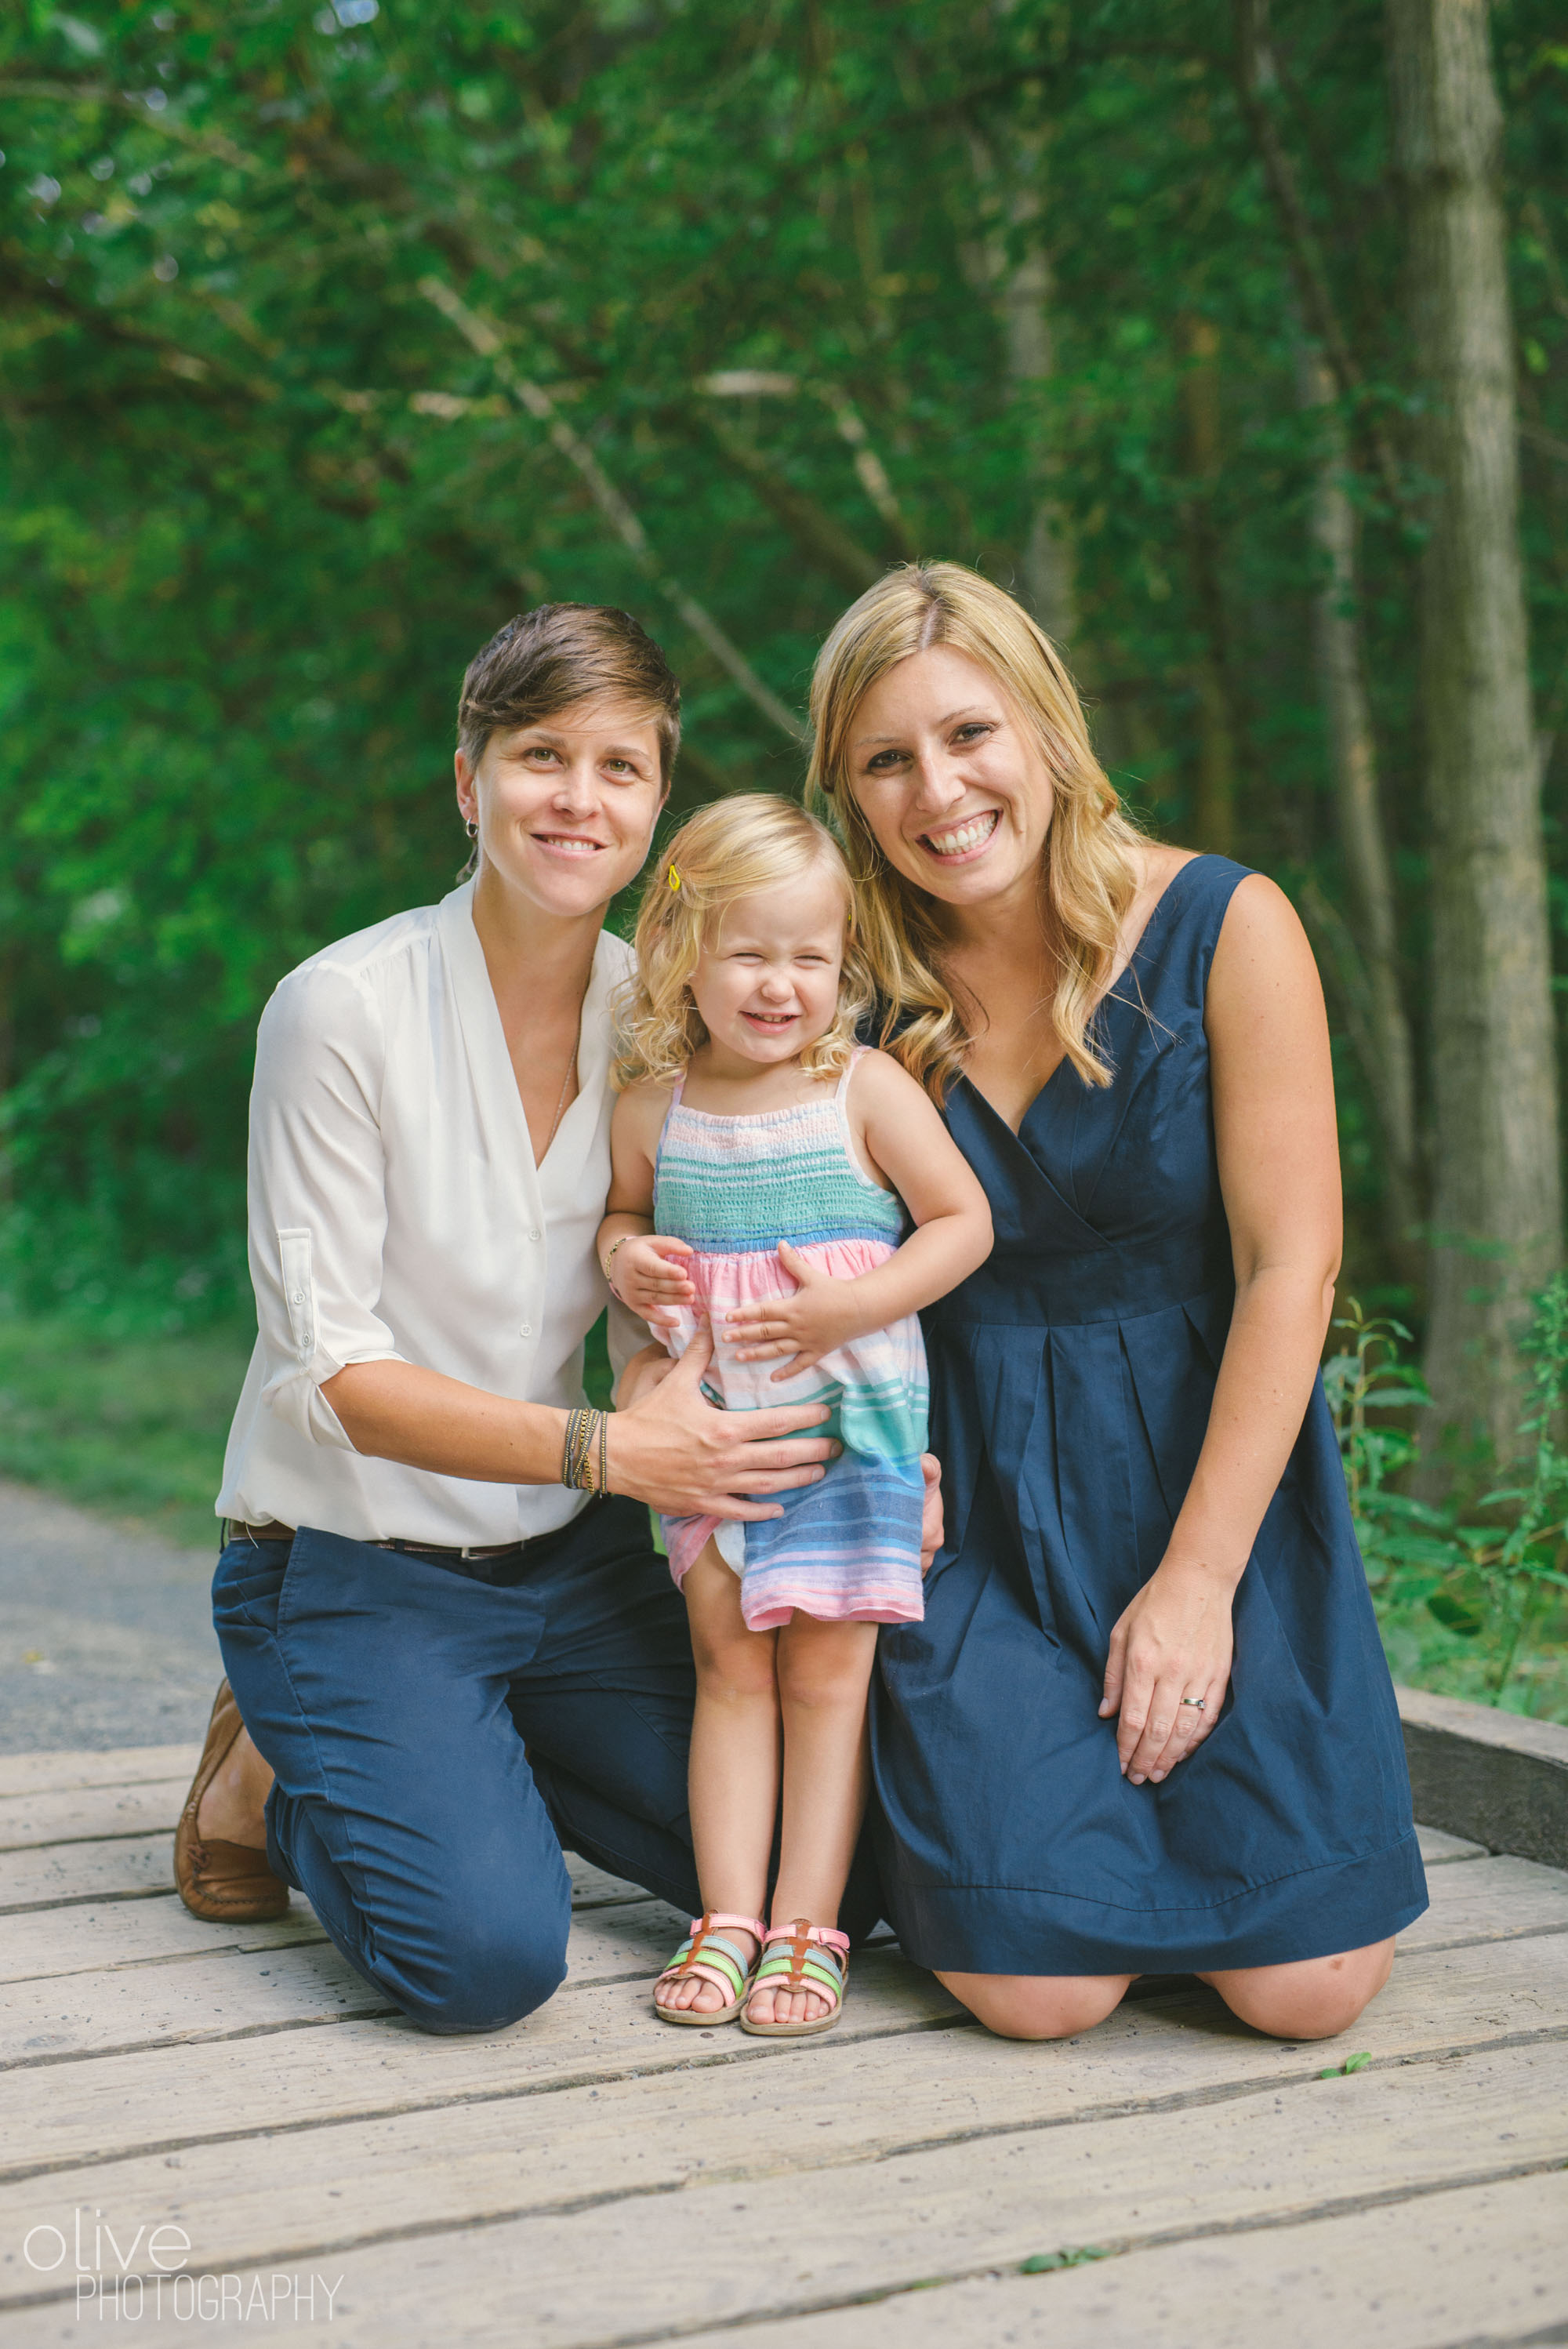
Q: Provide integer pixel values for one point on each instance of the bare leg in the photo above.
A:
(1313, 1999)
(733, 1773)
(825, 1673)
(231, 1810)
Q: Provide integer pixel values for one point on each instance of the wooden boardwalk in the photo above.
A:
(1171, 2181)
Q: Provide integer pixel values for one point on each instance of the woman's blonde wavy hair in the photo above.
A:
(735, 848)
(1087, 872)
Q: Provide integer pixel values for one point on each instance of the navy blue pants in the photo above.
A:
(392, 1695)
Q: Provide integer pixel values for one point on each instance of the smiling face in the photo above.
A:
(953, 784)
(565, 806)
(767, 983)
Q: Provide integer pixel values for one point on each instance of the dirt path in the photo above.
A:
(104, 1635)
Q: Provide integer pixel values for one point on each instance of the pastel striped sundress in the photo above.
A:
(846, 1550)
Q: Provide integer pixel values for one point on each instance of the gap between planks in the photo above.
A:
(644, 2133)
(658, 2264)
(1465, 2268)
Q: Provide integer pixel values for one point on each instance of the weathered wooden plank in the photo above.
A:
(125, 1765)
(725, 2249)
(181, 2094)
(197, 1998)
(57, 1942)
(1476, 2264)
(851, 2101)
(256, 1978)
(1485, 1899)
(1479, 1771)
(1491, 1899)
(1437, 1848)
(127, 1867)
(66, 1815)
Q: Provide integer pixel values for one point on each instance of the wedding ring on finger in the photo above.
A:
(1199, 1704)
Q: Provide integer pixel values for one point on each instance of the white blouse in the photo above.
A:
(397, 1214)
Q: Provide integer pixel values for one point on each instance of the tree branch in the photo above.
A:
(484, 338)
(1253, 73)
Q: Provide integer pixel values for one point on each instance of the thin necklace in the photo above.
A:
(571, 1070)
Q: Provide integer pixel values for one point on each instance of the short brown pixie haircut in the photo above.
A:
(558, 654)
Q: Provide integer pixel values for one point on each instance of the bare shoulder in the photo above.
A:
(1264, 968)
(1261, 921)
(881, 1084)
(640, 1109)
(1158, 865)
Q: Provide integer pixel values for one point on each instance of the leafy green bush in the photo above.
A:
(1490, 1571)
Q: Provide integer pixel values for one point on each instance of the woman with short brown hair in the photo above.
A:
(1146, 1725)
(432, 1552)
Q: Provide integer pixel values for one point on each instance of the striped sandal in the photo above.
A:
(816, 1959)
(706, 1953)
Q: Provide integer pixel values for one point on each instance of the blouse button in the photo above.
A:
(527, 1329)
(534, 1233)
(299, 1296)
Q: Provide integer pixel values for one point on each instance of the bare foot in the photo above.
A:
(768, 2005)
(696, 1994)
(231, 1809)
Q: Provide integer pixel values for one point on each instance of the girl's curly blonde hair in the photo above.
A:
(735, 848)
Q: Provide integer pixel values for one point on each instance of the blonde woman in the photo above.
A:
(1145, 1724)
(792, 1196)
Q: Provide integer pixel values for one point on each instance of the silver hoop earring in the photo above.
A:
(471, 828)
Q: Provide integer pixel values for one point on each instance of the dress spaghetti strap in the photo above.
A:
(842, 1089)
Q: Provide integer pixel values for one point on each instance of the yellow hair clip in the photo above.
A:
(674, 878)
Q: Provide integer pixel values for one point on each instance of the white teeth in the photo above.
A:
(962, 835)
(572, 847)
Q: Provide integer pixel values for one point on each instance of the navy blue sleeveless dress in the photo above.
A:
(1071, 1379)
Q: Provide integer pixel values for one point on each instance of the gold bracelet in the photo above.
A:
(604, 1452)
(609, 1260)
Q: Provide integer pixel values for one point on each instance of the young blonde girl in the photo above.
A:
(766, 1172)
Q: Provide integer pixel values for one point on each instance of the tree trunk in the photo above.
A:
(1387, 1053)
(1214, 811)
(1497, 1205)
(1017, 268)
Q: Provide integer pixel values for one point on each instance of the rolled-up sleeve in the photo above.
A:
(317, 1193)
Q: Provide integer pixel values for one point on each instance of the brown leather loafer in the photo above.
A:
(226, 1883)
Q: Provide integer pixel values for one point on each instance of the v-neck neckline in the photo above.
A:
(499, 1095)
(1111, 996)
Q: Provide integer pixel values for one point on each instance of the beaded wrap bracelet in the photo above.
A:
(585, 1456)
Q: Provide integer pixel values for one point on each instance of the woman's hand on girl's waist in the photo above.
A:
(673, 1449)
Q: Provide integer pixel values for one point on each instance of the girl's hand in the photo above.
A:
(1174, 1643)
(646, 1274)
(806, 1326)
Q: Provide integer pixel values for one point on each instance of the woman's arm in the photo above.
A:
(671, 1448)
(905, 1140)
(1279, 1173)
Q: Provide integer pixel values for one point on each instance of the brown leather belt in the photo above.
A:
(273, 1532)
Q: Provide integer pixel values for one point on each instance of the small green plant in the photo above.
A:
(1046, 2262)
(1351, 2063)
(1491, 1582)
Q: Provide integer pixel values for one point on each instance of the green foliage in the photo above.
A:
(1047, 2262)
(263, 493)
(133, 1425)
(1497, 1582)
